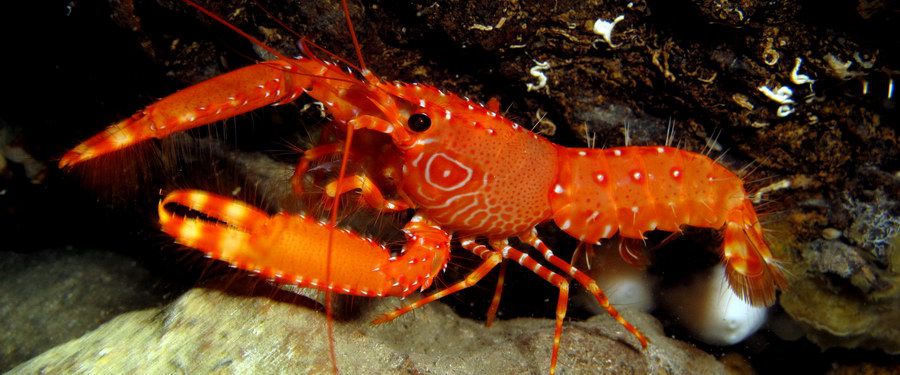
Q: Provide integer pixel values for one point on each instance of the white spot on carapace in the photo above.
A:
(660, 150)
(600, 177)
(447, 114)
(422, 103)
(558, 189)
(607, 229)
(676, 173)
(566, 224)
(617, 152)
(637, 176)
(582, 153)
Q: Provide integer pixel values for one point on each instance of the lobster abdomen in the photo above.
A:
(634, 190)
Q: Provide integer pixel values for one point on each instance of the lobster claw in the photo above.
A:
(293, 249)
(224, 235)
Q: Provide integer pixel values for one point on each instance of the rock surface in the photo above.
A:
(53, 296)
(210, 331)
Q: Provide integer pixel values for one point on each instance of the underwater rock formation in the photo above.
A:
(207, 330)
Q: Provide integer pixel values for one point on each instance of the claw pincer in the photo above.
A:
(292, 249)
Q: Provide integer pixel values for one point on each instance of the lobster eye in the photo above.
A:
(419, 122)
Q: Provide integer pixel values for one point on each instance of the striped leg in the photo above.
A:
(553, 278)
(583, 279)
(491, 260)
(495, 302)
(480, 250)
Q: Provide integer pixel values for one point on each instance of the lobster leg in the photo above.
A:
(370, 193)
(492, 259)
(308, 157)
(291, 249)
(585, 280)
(495, 302)
(558, 281)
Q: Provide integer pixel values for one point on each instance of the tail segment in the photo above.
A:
(752, 271)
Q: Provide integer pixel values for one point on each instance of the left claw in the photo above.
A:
(293, 248)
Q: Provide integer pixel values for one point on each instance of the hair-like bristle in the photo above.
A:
(752, 272)
(758, 290)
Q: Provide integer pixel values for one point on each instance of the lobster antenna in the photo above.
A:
(329, 309)
(264, 46)
(234, 28)
(303, 39)
(362, 63)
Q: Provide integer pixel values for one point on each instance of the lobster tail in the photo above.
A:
(750, 268)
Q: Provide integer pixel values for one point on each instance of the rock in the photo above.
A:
(207, 330)
(836, 319)
(53, 296)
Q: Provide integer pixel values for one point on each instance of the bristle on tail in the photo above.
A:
(752, 271)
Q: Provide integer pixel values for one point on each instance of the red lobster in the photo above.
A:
(464, 168)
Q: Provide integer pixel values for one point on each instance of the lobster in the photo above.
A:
(461, 167)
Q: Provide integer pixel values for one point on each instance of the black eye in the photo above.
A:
(419, 122)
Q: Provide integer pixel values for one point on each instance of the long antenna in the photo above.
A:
(362, 63)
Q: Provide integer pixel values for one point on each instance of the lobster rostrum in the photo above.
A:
(466, 170)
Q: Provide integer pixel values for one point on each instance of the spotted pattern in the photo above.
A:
(633, 190)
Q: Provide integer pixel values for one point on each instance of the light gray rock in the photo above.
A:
(210, 331)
